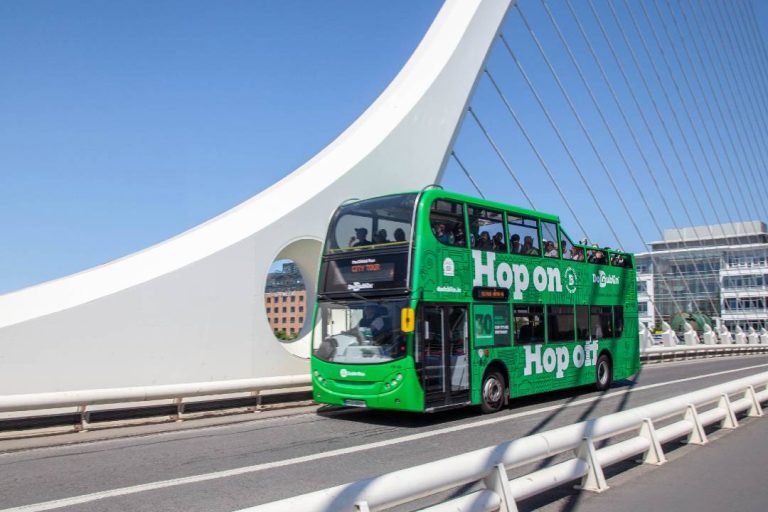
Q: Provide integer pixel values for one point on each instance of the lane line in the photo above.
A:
(134, 489)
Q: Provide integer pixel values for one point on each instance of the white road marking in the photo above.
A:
(134, 489)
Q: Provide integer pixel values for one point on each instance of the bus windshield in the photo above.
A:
(380, 222)
(361, 332)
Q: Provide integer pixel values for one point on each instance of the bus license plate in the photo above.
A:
(355, 403)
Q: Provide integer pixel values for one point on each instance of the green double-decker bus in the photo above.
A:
(430, 300)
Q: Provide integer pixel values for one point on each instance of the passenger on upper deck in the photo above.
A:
(458, 236)
(549, 249)
(380, 237)
(483, 242)
(515, 244)
(577, 254)
(597, 256)
(498, 242)
(360, 238)
(619, 261)
(528, 247)
(399, 235)
(441, 234)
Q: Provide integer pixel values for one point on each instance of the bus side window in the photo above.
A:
(582, 323)
(560, 321)
(446, 219)
(549, 240)
(618, 321)
(486, 229)
(529, 324)
(523, 235)
(600, 317)
(570, 251)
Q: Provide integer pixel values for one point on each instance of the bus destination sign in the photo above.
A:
(364, 273)
(490, 293)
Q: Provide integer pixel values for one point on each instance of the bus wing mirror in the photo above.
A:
(407, 320)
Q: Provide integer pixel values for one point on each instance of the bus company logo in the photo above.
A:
(448, 289)
(515, 277)
(559, 359)
(363, 261)
(448, 267)
(346, 373)
(570, 280)
(603, 280)
(356, 287)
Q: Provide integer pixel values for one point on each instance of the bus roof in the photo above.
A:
(444, 194)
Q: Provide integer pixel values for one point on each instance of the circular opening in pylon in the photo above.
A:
(289, 294)
(285, 299)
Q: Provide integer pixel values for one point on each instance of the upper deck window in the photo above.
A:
(486, 229)
(523, 235)
(379, 222)
(549, 239)
(446, 219)
(570, 251)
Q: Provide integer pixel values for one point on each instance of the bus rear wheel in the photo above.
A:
(493, 392)
(603, 373)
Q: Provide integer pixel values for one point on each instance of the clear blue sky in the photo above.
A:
(125, 123)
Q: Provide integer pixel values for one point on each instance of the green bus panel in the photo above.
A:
(491, 284)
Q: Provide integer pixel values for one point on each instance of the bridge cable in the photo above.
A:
(534, 148)
(654, 139)
(665, 128)
(722, 116)
(552, 123)
(757, 43)
(753, 96)
(501, 157)
(639, 147)
(737, 100)
(716, 95)
(702, 121)
(466, 173)
(619, 149)
(713, 272)
(758, 47)
(583, 127)
(646, 123)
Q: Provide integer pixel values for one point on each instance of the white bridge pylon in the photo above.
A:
(191, 309)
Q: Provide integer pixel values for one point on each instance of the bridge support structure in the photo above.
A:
(191, 309)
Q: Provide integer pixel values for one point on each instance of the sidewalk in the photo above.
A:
(728, 474)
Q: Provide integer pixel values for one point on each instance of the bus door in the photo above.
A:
(444, 353)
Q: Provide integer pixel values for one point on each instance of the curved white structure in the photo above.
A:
(191, 309)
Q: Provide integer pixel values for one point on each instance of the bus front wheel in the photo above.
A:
(603, 373)
(493, 392)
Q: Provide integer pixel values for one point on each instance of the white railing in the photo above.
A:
(658, 354)
(709, 344)
(689, 414)
(178, 392)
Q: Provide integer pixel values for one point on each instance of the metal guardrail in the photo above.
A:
(689, 413)
(658, 353)
(178, 392)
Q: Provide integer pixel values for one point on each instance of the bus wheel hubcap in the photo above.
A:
(602, 372)
(492, 391)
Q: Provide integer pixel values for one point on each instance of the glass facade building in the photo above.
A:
(720, 271)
